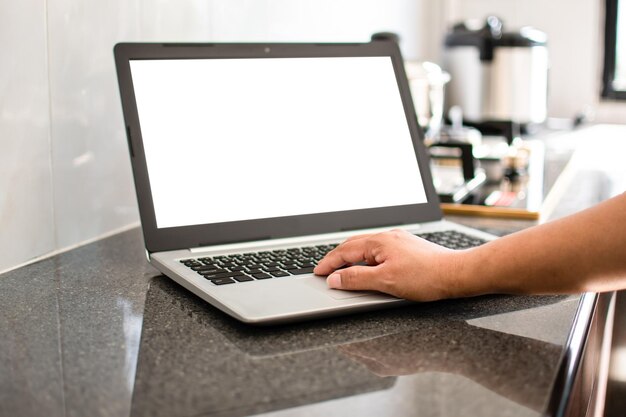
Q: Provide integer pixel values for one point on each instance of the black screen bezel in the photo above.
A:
(173, 238)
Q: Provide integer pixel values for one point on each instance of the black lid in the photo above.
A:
(386, 36)
(491, 36)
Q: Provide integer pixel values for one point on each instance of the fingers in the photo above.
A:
(349, 252)
(357, 237)
(357, 278)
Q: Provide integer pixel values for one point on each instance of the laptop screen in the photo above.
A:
(254, 138)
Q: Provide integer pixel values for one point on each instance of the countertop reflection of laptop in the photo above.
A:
(251, 161)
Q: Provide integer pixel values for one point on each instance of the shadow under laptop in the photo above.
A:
(195, 360)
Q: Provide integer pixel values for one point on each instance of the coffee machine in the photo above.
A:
(499, 79)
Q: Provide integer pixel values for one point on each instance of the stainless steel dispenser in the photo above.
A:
(498, 78)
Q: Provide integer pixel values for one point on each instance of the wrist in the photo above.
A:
(468, 276)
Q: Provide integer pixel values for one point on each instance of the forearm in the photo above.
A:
(582, 252)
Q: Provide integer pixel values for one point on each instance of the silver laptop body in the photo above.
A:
(247, 148)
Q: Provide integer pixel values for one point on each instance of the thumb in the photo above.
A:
(356, 277)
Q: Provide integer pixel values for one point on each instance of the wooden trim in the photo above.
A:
(484, 211)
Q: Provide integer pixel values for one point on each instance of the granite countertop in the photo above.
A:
(97, 331)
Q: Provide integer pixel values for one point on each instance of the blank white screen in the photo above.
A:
(239, 139)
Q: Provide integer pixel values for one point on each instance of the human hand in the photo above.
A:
(397, 263)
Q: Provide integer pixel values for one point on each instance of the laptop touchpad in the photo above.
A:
(319, 283)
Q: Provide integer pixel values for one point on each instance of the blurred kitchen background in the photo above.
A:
(65, 176)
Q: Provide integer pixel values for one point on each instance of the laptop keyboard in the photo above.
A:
(251, 266)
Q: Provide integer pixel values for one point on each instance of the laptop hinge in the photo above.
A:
(243, 246)
(294, 241)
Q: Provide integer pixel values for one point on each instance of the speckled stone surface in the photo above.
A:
(98, 332)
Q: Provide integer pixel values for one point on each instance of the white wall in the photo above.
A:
(26, 212)
(64, 171)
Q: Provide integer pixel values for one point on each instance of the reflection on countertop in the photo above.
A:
(194, 360)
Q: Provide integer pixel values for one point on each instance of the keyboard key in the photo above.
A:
(301, 271)
(242, 278)
(262, 276)
(206, 268)
(221, 275)
(280, 273)
(222, 281)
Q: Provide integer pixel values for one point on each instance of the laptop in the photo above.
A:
(251, 161)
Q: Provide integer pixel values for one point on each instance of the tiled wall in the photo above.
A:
(26, 210)
(93, 190)
(64, 171)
